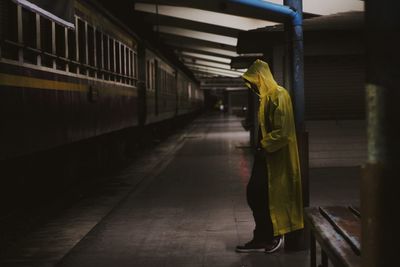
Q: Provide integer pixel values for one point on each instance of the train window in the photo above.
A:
(128, 65)
(106, 55)
(99, 50)
(29, 35)
(117, 58)
(170, 83)
(46, 40)
(9, 29)
(147, 74)
(128, 62)
(90, 43)
(112, 57)
(164, 80)
(91, 50)
(135, 64)
(81, 41)
(72, 49)
(60, 40)
(129, 71)
(105, 52)
(132, 64)
(60, 46)
(152, 74)
(123, 61)
(159, 80)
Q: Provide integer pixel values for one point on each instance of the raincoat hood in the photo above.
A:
(259, 79)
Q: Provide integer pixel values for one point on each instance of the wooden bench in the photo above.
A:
(337, 230)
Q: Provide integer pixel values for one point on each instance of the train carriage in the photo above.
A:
(161, 92)
(61, 85)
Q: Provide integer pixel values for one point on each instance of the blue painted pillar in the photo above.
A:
(297, 61)
(298, 240)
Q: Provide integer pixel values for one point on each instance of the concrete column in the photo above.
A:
(380, 185)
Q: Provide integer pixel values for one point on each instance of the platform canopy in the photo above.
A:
(203, 34)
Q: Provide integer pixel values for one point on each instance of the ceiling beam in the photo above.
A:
(192, 25)
(191, 59)
(236, 83)
(192, 42)
(207, 63)
(206, 74)
(185, 54)
(226, 7)
(201, 49)
(219, 80)
(220, 39)
(214, 74)
(311, 8)
(211, 70)
(213, 16)
(236, 74)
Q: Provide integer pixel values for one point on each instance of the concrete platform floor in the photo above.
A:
(181, 204)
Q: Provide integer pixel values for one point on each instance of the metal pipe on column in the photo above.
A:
(292, 12)
(298, 239)
(297, 61)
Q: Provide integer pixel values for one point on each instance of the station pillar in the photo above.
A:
(298, 240)
(380, 181)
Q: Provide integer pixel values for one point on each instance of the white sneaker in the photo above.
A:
(278, 242)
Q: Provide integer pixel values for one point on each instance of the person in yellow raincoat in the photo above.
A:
(274, 191)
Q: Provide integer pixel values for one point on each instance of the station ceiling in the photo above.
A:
(203, 33)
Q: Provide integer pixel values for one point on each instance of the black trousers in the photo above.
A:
(257, 198)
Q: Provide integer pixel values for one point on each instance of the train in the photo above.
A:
(61, 85)
(75, 100)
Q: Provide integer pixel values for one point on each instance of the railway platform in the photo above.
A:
(181, 204)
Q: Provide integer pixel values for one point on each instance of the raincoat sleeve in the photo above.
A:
(278, 137)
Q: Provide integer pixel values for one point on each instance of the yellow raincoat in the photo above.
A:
(279, 141)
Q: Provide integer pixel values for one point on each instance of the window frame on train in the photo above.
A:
(31, 39)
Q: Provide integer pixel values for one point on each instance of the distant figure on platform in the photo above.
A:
(274, 191)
